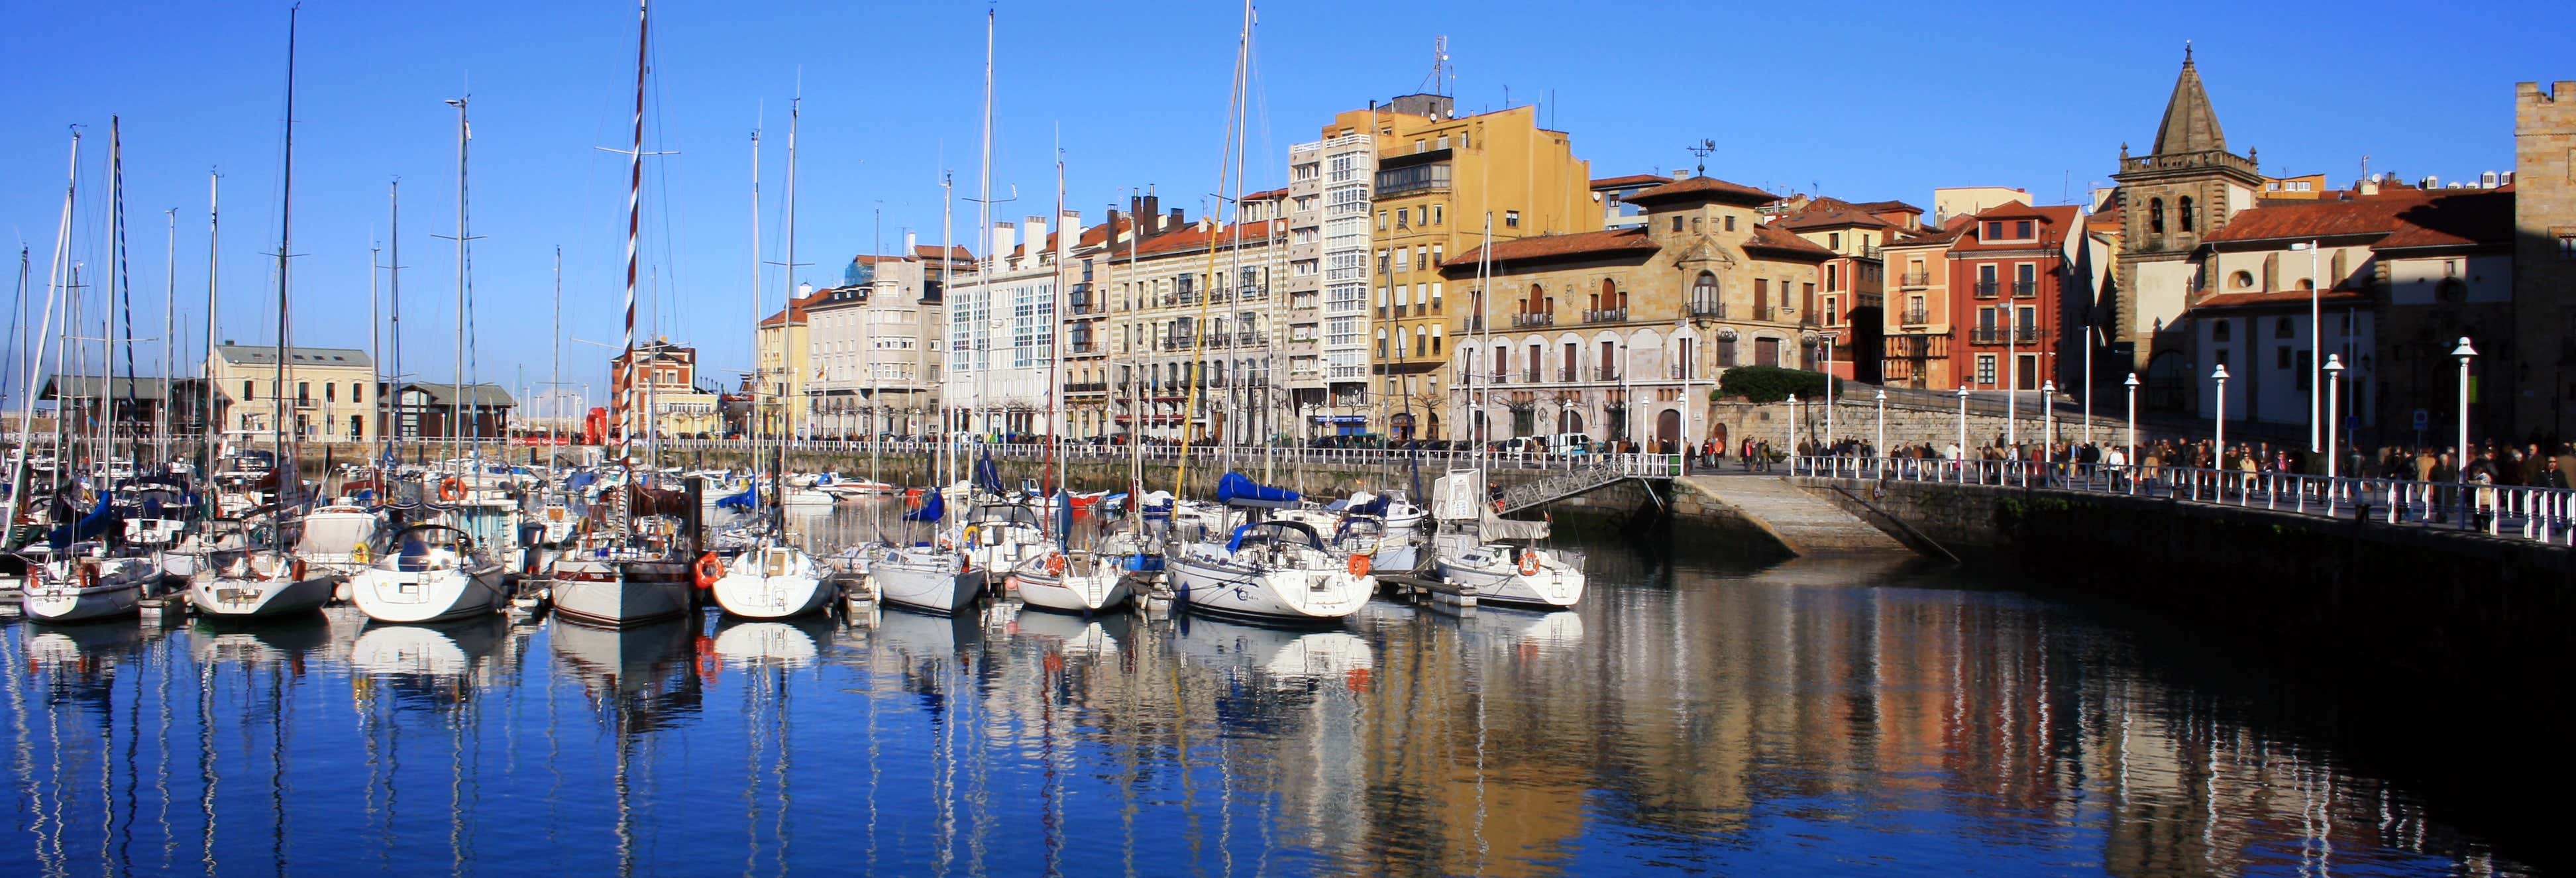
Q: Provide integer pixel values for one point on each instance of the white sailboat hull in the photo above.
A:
(413, 597)
(1206, 581)
(927, 584)
(245, 598)
(619, 593)
(1497, 580)
(1087, 591)
(61, 595)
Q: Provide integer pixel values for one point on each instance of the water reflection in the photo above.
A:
(1691, 716)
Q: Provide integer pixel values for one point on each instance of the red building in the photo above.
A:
(2012, 287)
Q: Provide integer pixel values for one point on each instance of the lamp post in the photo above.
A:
(1879, 447)
(1825, 342)
(2047, 428)
(2465, 353)
(2132, 385)
(2220, 373)
(1792, 447)
(1963, 431)
(2334, 454)
(2316, 338)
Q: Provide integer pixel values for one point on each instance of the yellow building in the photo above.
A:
(2304, 187)
(782, 365)
(327, 393)
(1439, 175)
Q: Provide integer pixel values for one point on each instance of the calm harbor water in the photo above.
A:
(1693, 716)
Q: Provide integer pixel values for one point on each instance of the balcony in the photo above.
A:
(1081, 346)
(1087, 387)
(1529, 375)
(1986, 289)
(1915, 279)
(1917, 317)
(1565, 374)
(1534, 318)
(1253, 292)
(1247, 339)
(1606, 315)
(1715, 309)
(1995, 335)
(1605, 373)
(1681, 372)
(2025, 289)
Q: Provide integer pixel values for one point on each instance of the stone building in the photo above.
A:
(1439, 177)
(1624, 333)
(324, 394)
(2542, 371)
(2171, 199)
(1193, 336)
(667, 397)
(871, 360)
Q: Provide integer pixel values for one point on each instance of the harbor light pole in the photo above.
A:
(2132, 459)
(1792, 447)
(1879, 448)
(2465, 353)
(2047, 428)
(2221, 439)
(2334, 455)
(1963, 431)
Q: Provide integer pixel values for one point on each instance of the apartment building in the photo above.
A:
(2025, 296)
(1624, 333)
(1440, 177)
(1852, 302)
(323, 394)
(1330, 189)
(1001, 332)
(1193, 333)
(1916, 332)
(873, 346)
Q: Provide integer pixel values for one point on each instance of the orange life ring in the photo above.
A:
(1359, 565)
(1055, 564)
(1529, 562)
(708, 570)
(451, 489)
(88, 575)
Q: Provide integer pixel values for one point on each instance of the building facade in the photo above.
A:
(1330, 190)
(1917, 331)
(2171, 199)
(324, 394)
(437, 412)
(2019, 291)
(875, 347)
(1852, 302)
(1440, 177)
(1001, 329)
(778, 370)
(1624, 334)
(668, 398)
(2543, 356)
(1193, 331)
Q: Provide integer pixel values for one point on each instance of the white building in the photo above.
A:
(1000, 338)
(1330, 192)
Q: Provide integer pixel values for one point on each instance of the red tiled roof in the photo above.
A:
(1624, 181)
(957, 252)
(2277, 297)
(1195, 235)
(2406, 218)
(2058, 220)
(1267, 194)
(1787, 243)
(1929, 237)
(1704, 189)
(1828, 213)
(1888, 206)
(1631, 239)
(795, 310)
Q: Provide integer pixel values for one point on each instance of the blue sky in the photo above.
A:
(1865, 102)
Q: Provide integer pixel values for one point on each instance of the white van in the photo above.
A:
(1570, 444)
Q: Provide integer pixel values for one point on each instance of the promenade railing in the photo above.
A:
(2541, 514)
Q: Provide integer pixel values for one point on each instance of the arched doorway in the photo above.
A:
(1668, 431)
(1569, 421)
(1717, 434)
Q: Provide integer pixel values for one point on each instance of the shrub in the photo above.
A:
(1769, 384)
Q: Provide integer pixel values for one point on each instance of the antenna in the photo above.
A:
(1439, 63)
(1702, 149)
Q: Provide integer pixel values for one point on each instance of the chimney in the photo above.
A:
(1113, 224)
(1176, 222)
(1003, 240)
(803, 290)
(1068, 226)
(911, 243)
(1036, 226)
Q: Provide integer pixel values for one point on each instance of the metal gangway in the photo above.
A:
(1600, 472)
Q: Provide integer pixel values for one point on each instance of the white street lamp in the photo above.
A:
(2465, 353)
(2221, 440)
(1879, 448)
(1792, 447)
(2131, 460)
(1963, 431)
(2047, 428)
(2334, 454)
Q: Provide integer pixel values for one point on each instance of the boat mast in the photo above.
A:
(456, 392)
(1226, 167)
(554, 385)
(778, 481)
(375, 346)
(44, 338)
(634, 226)
(285, 464)
(1055, 328)
(992, 258)
(752, 429)
(120, 303)
(169, 335)
(210, 423)
(947, 276)
(393, 303)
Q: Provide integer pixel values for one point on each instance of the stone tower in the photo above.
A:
(2543, 379)
(2170, 199)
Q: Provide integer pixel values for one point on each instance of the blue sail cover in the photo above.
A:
(986, 476)
(1235, 543)
(746, 501)
(1236, 489)
(97, 522)
(932, 508)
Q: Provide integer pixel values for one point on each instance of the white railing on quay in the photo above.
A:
(2541, 514)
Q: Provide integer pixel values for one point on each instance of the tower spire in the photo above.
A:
(2189, 125)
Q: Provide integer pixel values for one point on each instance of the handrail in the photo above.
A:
(2544, 515)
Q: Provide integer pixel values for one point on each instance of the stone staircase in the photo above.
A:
(1802, 522)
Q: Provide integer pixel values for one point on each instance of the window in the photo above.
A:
(2220, 357)
(2218, 331)
(330, 393)
(1730, 222)
(2281, 359)
(1422, 257)
(303, 393)
(2156, 215)
(1421, 340)
(357, 425)
(1704, 293)
(2566, 244)
(1382, 262)
(1761, 298)
(1401, 262)
(1994, 231)
(2186, 213)
(1381, 342)
(1695, 225)
(1435, 296)
(1436, 257)
(1437, 214)
(1381, 220)
(1677, 223)
(2305, 374)
(1435, 340)
(1985, 368)
(2241, 279)
(247, 395)
(1834, 240)
(1833, 274)
(1511, 219)
(2022, 230)
(2283, 328)
(1402, 216)
(355, 389)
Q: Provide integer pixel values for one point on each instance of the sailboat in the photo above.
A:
(1269, 570)
(923, 576)
(774, 578)
(638, 573)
